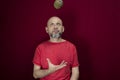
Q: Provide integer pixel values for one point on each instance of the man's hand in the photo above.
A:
(53, 68)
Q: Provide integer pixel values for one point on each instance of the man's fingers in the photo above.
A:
(63, 63)
(48, 60)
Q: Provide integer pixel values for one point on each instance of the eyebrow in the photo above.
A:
(55, 23)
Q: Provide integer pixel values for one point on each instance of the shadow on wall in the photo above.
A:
(82, 45)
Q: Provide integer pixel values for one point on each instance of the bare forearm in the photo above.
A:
(74, 77)
(75, 74)
(41, 73)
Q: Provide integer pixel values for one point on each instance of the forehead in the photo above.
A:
(54, 20)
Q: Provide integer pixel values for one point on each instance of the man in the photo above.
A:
(56, 59)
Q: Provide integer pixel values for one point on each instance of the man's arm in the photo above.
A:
(40, 73)
(75, 73)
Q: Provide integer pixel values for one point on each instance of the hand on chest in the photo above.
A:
(57, 55)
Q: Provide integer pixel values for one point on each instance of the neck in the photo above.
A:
(56, 39)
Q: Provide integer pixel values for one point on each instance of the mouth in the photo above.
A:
(56, 31)
(55, 34)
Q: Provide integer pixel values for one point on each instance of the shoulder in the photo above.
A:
(42, 44)
(70, 44)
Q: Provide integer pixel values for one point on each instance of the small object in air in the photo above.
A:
(58, 4)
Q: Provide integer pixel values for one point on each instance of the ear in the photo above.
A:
(46, 28)
(63, 29)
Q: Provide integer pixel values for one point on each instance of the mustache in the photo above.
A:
(56, 31)
(58, 35)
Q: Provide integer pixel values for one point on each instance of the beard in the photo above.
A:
(56, 35)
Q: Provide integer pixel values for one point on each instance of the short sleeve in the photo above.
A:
(75, 61)
(37, 57)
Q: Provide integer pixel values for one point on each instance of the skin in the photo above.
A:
(58, 4)
(54, 28)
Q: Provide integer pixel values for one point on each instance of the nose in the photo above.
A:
(55, 26)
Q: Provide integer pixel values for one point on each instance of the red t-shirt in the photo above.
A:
(56, 52)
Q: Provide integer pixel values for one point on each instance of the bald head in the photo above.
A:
(54, 27)
(54, 19)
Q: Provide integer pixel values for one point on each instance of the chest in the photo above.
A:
(56, 55)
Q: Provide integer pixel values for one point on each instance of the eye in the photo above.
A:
(51, 24)
(58, 24)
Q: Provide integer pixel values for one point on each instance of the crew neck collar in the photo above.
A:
(57, 42)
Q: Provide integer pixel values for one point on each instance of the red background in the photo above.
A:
(92, 25)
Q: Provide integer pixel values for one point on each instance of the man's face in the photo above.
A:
(54, 27)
